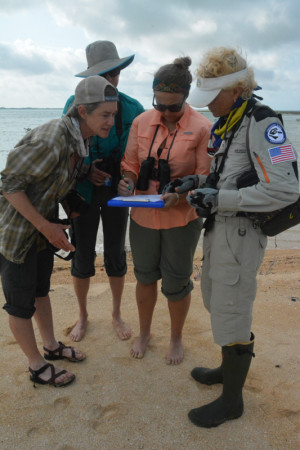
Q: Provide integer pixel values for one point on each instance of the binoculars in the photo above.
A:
(149, 172)
(75, 203)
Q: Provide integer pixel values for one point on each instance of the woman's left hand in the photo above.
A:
(170, 199)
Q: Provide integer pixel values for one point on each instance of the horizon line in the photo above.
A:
(291, 111)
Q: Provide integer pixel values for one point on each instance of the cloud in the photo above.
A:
(23, 58)
(49, 38)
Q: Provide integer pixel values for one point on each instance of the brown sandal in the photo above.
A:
(58, 353)
(35, 376)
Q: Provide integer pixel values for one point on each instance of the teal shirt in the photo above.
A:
(100, 147)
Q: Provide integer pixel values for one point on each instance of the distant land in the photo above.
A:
(200, 110)
(28, 107)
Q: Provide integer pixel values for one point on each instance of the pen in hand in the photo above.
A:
(128, 185)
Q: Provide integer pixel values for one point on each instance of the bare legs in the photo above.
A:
(117, 286)
(146, 296)
(81, 287)
(44, 320)
(23, 332)
(178, 312)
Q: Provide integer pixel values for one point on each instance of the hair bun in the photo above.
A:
(183, 62)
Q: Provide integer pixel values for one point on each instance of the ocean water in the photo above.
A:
(14, 123)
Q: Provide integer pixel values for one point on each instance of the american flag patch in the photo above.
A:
(282, 153)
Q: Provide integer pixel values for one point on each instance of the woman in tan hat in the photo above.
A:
(103, 59)
(40, 170)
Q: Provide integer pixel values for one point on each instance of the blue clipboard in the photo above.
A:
(138, 201)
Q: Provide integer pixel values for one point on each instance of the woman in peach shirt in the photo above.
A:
(166, 142)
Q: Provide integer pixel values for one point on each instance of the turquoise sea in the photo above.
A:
(14, 123)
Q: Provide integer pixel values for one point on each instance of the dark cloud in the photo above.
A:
(251, 25)
(29, 64)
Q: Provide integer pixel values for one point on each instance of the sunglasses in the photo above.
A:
(176, 107)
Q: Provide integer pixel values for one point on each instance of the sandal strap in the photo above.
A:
(59, 350)
(38, 372)
(53, 376)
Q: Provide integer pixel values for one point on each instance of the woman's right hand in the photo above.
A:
(55, 235)
(97, 176)
(126, 187)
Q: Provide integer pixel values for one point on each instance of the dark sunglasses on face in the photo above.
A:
(176, 107)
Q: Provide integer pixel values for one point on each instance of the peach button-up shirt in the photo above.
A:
(188, 155)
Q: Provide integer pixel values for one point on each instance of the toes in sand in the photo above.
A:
(139, 346)
(123, 331)
(79, 329)
(175, 354)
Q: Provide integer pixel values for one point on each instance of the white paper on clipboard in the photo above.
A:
(150, 201)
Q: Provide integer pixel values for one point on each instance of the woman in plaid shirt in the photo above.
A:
(40, 171)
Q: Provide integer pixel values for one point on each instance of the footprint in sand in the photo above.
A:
(11, 343)
(289, 413)
(65, 447)
(61, 403)
(96, 414)
(253, 384)
(35, 432)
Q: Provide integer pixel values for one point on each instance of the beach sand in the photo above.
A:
(118, 402)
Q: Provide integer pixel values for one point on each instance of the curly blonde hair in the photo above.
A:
(220, 61)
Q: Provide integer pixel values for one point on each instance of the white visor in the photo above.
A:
(207, 89)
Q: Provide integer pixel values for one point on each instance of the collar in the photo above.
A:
(83, 149)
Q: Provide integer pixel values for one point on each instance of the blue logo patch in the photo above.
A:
(275, 134)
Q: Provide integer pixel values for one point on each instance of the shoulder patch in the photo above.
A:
(275, 134)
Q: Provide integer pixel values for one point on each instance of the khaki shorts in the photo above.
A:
(233, 251)
(167, 255)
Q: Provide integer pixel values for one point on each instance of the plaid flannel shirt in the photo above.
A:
(39, 165)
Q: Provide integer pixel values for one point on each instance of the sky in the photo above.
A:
(42, 44)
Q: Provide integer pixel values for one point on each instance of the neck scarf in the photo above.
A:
(219, 131)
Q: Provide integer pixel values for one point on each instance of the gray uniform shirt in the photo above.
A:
(274, 160)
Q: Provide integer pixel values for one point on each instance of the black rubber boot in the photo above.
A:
(235, 366)
(207, 376)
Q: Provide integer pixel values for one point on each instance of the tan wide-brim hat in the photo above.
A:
(102, 57)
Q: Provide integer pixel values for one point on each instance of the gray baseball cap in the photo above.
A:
(92, 90)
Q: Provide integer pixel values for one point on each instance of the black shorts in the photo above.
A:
(85, 229)
(22, 283)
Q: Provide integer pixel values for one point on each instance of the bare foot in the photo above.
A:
(123, 331)
(139, 346)
(175, 355)
(79, 329)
